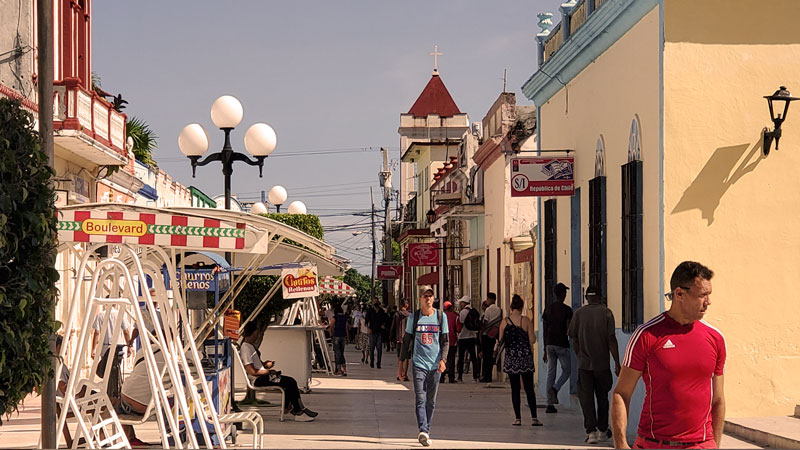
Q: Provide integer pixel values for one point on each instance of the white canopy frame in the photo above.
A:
(119, 276)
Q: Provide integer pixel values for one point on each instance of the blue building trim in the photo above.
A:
(601, 30)
(148, 192)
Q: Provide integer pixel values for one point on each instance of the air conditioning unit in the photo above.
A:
(477, 129)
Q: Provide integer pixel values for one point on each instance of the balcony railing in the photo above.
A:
(578, 16)
(86, 112)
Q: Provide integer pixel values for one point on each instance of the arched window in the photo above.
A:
(632, 240)
(597, 223)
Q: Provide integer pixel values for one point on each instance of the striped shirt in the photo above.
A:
(677, 363)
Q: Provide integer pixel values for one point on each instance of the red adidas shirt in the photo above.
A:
(677, 364)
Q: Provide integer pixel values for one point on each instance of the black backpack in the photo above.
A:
(473, 320)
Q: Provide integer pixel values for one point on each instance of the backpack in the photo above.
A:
(417, 313)
(473, 320)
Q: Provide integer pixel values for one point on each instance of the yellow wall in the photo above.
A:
(725, 204)
(602, 101)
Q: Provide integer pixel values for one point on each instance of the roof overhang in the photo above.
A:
(78, 143)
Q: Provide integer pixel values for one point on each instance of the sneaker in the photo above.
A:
(310, 413)
(551, 409)
(303, 417)
(592, 437)
(424, 439)
(552, 395)
(605, 436)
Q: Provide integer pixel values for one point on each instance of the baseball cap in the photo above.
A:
(425, 288)
(448, 304)
(561, 286)
(592, 291)
(465, 299)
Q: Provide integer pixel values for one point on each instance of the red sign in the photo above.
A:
(389, 272)
(423, 254)
(542, 177)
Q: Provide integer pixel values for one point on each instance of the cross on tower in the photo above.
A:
(435, 60)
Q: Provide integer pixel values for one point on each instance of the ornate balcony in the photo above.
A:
(86, 124)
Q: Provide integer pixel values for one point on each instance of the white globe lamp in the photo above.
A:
(260, 139)
(277, 195)
(193, 140)
(297, 207)
(258, 208)
(226, 112)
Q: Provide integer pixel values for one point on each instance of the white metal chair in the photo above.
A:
(250, 385)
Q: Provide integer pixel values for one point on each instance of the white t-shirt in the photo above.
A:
(97, 325)
(250, 356)
(329, 314)
(465, 333)
(492, 313)
(356, 315)
(137, 385)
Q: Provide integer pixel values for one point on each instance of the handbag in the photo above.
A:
(274, 376)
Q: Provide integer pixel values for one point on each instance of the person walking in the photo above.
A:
(492, 316)
(555, 323)
(363, 337)
(452, 321)
(376, 320)
(355, 319)
(338, 329)
(426, 344)
(593, 338)
(469, 321)
(518, 338)
(684, 357)
(398, 331)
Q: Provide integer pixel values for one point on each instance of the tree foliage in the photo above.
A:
(27, 257)
(361, 283)
(144, 138)
(307, 223)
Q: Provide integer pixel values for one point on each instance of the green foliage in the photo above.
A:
(144, 140)
(307, 223)
(27, 257)
(361, 283)
(397, 256)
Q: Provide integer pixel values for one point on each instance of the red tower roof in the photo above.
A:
(434, 99)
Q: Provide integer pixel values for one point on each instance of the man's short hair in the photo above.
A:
(492, 296)
(686, 272)
(249, 329)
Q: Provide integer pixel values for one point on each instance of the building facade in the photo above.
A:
(662, 104)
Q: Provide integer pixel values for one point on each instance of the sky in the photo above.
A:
(331, 77)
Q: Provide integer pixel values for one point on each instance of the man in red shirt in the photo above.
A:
(452, 322)
(681, 360)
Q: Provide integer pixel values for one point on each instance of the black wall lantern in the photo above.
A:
(781, 99)
(431, 216)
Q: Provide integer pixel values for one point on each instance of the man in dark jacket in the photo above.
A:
(376, 321)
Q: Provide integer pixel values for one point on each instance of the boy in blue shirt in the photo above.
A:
(426, 344)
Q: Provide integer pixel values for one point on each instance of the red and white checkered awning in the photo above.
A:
(332, 286)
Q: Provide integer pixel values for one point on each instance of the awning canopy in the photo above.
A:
(332, 286)
(428, 278)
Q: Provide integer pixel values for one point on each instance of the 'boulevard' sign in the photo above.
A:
(542, 177)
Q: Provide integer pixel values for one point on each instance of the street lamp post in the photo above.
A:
(226, 113)
(277, 195)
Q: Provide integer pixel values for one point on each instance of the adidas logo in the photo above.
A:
(668, 344)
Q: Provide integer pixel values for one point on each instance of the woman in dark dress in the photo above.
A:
(517, 335)
(338, 330)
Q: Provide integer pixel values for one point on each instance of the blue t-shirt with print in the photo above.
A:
(426, 341)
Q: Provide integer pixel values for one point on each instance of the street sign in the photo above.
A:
(542, 176)
(423, 254)
(299, 282)
(390, 271)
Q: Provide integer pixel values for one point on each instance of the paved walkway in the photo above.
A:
(370, 409)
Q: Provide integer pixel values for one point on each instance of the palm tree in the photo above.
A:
(144, 140)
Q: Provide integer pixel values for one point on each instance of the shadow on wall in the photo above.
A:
(719, 174)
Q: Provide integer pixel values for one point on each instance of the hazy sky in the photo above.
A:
(331, 77)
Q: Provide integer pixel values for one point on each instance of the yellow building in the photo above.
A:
(663, 104)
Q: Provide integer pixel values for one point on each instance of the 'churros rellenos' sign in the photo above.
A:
(300, 282)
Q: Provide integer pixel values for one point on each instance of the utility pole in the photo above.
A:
(372, 284)
(385, 176)
(44, 14)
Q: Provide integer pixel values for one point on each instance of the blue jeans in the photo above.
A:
(426, 384)
(375, 340)
(338, 351)
(557, 354)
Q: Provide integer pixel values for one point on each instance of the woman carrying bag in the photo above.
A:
(517, 339)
